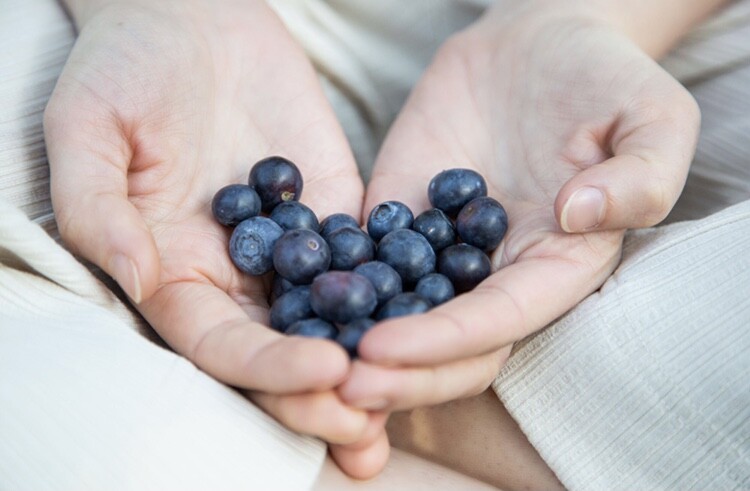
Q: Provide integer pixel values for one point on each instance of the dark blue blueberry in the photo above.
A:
(388, 216)
(482, 223)
(234, 203)
(342, 296)
(313, 328)
(276, 180)
(336, 221)
(436, 227)
(251, 245)
(291, 307)
(350, 247)
(384, 278)
(300, 255)
(436, 288)
(404, 304)
(453, 188)
(279, 286)
(350, 335)
(465, 265)
(292, 215)
(409, 253)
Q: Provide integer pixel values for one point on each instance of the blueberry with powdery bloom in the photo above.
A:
(342, 296)
(276, 180)
(482, 223)
(279, 286)
(404, 304)
(465, 265)
(291, 307)
(313, 328)
(452, 189)
(351, 334)
(300, 255)
(336, 221)
(251, 245)
(436, 288)
(409, 253)
(234, 203)
(293, 215)
(385, 279)
(436, 227)
(350, 247)
(387, 217)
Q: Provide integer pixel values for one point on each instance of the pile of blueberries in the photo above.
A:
(334, 280)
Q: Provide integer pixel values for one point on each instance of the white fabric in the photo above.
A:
(88, 403)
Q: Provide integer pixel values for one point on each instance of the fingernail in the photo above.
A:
(371, 404)
(126, 274)
(584, 210)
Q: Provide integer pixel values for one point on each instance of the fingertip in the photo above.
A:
(583, 210)
(363, 462)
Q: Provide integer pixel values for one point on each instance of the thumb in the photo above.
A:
(640, 184)
(89, 188)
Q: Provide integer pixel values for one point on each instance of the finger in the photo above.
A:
(397, 389)
(640, 184)
(368, 456)
(216, 333)
(319, 414)
(89, 159)
(509, 305)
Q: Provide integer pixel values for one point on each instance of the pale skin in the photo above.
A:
(548, 104)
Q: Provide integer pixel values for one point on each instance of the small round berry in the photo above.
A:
(350, 247)
(336, 221)
(409, 253)
(251, 245)
(482, 223)
(436, 288)
(300, 255)
(291, 307)
(234, 203)
(313, 328)
(384, 278)
(436, 227)
(388, 216)
(465, 265)
(276, 180)
(453, 188)
(342, 296)
(293, 215)
(404, 304)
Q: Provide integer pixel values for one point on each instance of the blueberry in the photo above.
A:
(336, 221)
(384, 278)
(342, 296)
(436, 288)
(465, 265)
(279, 286)
(313, 328)
(452, 189)
(350, 335)
(300, 255)
(388, 216)
(350, 247)
(234, 203)
(482, 223)
(409, 253)
(292, 215)
(276, 179)
(404, 304)
(436, 227)
(291, 307)
(251, 245)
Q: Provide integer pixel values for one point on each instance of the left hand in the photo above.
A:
(544, 105)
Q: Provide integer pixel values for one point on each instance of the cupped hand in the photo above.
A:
(160, 105)
(579, 135)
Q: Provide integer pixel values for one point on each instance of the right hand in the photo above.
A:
(160, 105)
